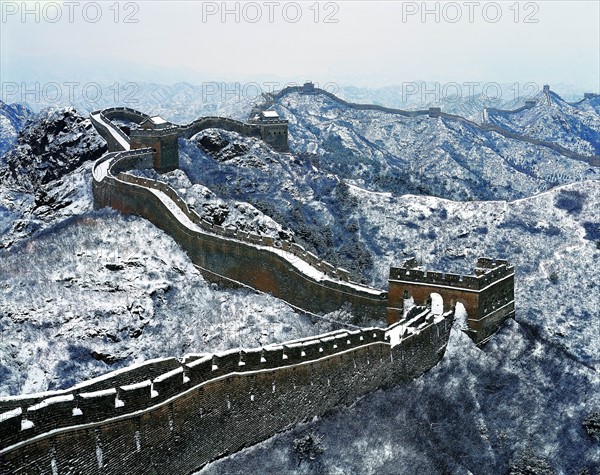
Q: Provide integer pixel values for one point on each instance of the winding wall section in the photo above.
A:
(592, 160)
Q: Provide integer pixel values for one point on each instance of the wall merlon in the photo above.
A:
(313, 350)
(273, 356)
(252, 359)
(98, 405)
(199, 370)
(295, 353)
(52, 413)
(136, 396)
(227, 362)
(10, 426)
(170, 383)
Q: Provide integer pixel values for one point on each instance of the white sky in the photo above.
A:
(371, 44)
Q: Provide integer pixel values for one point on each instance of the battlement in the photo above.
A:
(487, 271)
(147, 387)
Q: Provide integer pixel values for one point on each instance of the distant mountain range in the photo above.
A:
(575, 126)
(442, 156)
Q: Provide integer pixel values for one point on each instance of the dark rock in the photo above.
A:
(50, 146)
(114, 266)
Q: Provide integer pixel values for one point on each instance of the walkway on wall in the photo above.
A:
(104, 125)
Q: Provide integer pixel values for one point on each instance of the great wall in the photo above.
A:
(435, 112)
(175, 416)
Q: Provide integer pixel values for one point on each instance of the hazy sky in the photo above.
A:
(359, 42)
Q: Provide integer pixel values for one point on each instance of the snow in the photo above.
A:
(157, 120)
(270, 114)
(170, 374)
(140, 385)
(52, 400)
(123, 143)
(27, 424)
(100, 393)
(10, 414)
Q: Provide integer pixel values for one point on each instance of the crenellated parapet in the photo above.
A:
(203, 406)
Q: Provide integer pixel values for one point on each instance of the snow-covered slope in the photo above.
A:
(46, 176)
(435, 156)
(101, 291)
(12, 120)
(575, 127)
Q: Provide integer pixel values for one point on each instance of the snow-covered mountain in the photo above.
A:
(574, 126)
(33, 193)
(84, 292)
(12, 119)
(439, 156)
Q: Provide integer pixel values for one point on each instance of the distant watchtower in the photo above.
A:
(273, 129)
(308, 88)
(161, 135)
(488, 296)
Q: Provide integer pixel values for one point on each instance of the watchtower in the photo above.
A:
(488, 295)
(273, 129)
(161, 135)
(308, 88)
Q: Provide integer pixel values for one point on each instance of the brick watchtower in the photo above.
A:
(488, 295)
(273, 129)
(157, 133)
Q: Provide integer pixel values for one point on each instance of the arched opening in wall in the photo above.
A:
(437, 303)
(460, 316)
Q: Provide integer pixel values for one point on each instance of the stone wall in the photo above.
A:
(238, 257)
(211, 406)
